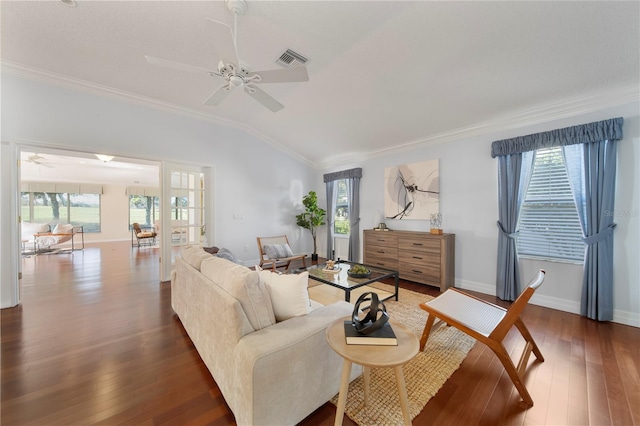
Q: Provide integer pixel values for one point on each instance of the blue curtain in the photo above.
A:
(514, 172)
(353, 188)
(590, 154)
(592, 173)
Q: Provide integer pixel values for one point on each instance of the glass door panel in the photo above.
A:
(184, 213)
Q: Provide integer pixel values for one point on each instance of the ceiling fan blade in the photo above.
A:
(225, 45)
(217, 96)
(262, 97)
(286, 75)
(177, 65)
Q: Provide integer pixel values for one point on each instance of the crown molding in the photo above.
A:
(559, 110)
(82, 86)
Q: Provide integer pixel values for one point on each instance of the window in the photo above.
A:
(341, 213)
(549, 224)
(144, 209)
(59, 207)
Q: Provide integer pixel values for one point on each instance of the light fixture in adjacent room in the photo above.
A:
(70, 3)
(104, 158)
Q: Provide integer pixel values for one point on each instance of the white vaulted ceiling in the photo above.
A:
(383, 74)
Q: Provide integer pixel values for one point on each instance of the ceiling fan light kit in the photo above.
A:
(104, 158)
(235, 75)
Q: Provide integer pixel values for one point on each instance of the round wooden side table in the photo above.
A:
(370, 356)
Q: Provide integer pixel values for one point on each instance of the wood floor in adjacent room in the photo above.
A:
(95, 341)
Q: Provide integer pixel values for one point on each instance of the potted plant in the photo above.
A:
(311, 218)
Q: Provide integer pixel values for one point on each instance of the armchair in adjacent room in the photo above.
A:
(142, 235)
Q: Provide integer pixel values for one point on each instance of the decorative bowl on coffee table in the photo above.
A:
(356, 275)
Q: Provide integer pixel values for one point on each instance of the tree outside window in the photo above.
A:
(144, 209)
(53, 208)
(341, 213)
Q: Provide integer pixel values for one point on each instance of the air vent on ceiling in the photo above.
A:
(291, 59)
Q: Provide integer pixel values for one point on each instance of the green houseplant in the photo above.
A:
(312, 217)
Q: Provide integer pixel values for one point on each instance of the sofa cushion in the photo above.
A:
(245, 286)
(194, 256)
(63, 228)
(31, 228)
(289, 294)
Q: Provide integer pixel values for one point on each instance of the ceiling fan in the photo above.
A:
(232, 72)
(38, 159)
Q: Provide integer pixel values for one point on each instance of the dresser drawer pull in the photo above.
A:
(417, 257)
(380, 251)
(417, 272)
(417, 244)
(381, 264)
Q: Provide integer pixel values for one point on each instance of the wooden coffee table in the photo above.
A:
(343, 281)
(373, 356)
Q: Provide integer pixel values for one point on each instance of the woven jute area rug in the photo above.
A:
(424, 375)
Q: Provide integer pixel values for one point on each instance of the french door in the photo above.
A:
(184, 202)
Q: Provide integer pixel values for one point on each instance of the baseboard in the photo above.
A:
(565, 305)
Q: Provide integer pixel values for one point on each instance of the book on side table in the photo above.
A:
(381, 337)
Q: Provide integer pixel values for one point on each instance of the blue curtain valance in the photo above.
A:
(344, 174)
(586, 133)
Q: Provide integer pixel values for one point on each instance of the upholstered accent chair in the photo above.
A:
(142, 236)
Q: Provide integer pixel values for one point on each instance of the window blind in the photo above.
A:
(549, 224)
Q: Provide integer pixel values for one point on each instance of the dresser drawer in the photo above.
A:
(382, 262)
(385, 257)
(419, 258)
(380, 238)
(425, 245)
(421, 274)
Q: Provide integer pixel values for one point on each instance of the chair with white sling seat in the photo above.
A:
(489, 324)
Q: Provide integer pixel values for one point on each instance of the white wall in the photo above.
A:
(257, 188)
(469, 207)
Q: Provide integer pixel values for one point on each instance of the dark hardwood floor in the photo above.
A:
(95, 341)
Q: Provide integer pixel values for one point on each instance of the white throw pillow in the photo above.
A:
(278, 251)
(63, 228)
(289, 294)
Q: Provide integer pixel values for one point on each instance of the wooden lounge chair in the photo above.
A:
(489, 324)
(283, 256)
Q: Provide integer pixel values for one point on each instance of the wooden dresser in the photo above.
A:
(419, 256)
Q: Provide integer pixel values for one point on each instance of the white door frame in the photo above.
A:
(10, 226)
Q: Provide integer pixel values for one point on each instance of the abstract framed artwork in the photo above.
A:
(412, 191)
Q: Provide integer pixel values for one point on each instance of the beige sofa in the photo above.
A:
(270, 373)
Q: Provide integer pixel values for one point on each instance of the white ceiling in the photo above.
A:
(383, 74)
(50, 165)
